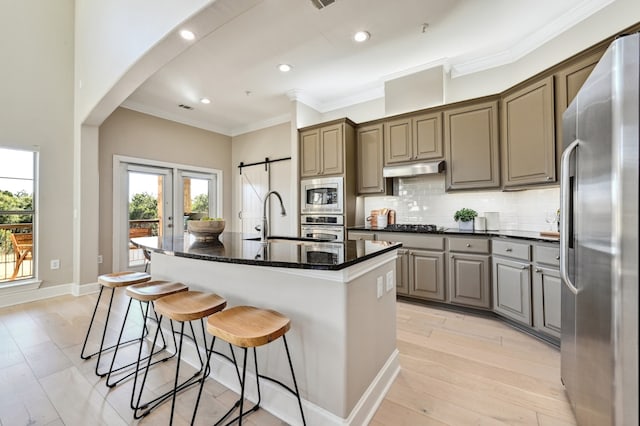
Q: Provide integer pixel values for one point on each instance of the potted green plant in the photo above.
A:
(465, 217)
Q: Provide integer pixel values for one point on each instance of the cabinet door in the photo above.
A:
(427, 275)
(397, 141)
(427, 136)
(310, 153)
(528, 139)
(469, 280)
(568, 82)
(512, 289)
(402, 272)
(370, 160)
(471, 145)
(332, 150)
(546, 301)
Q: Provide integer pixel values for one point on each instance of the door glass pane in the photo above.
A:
(199, 196)
(16, 214)
(145, 210)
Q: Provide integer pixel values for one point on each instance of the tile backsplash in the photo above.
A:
(422, 199)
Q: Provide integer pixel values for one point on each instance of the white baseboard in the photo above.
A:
(19, 296)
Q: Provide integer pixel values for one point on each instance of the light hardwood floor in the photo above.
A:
(457, 369)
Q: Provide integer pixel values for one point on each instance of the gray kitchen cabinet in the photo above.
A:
(469, 272)
(546, 289)
(322, 151)
(546, 301)
(512, 289)
(471, 146)
(361, 235)
(427, 275)
(402, 272)
(413, 138)
(568, 81)
(527, 135)
(370, 161)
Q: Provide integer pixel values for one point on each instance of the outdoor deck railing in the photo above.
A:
(8, 256)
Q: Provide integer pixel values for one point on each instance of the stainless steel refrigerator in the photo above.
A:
(599, 240)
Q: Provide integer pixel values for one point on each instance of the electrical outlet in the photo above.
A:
(99, 258)
(389, 280)
(55, 264)
(380, 287)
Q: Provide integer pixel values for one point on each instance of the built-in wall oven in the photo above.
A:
(322, 196)
(322, 227)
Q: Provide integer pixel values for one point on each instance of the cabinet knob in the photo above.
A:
(525, 267)
(548, 177)
(468, 245)
(509, 250)
(557, 257)
(538, 270)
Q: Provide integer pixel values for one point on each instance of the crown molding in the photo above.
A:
(284, 118)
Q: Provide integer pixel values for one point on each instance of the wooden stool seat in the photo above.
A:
(153, 290)
(122, 279)
(247, 326)
(190, 305)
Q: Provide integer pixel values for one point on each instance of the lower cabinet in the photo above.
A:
(546, 292)
(402, 272)
(469, 282)
(512, 289)
(427, 274)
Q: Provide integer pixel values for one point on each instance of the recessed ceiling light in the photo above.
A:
(361, 36)
(187, 35)
(205, 101)
(284, 67)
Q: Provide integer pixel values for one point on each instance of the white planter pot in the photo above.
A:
(465, 226)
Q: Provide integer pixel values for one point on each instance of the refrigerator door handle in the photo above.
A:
(564, 215)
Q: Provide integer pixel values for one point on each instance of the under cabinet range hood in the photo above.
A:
(413, 169)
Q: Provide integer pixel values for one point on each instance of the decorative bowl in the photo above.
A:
(205, 229)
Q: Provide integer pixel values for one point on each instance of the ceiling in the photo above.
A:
(236, 64)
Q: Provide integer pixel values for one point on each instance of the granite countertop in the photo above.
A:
(523, 235)
(284, 252)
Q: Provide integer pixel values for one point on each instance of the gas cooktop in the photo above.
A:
(406, 227)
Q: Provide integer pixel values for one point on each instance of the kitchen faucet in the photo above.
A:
(264, 229)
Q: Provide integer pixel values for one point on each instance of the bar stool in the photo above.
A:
(182, 307)
(146, 293)
(111, 281)
(250, 327)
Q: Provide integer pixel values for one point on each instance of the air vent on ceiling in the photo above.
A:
(185, 106)
(321, 4)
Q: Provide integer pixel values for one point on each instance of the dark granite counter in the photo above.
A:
(523, 235)
(284, 252)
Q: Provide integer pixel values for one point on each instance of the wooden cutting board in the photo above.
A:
(550, 234)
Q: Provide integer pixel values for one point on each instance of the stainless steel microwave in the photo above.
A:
(323, 195)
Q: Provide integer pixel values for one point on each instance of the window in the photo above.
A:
(17, 214)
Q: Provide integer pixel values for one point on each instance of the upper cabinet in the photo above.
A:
(471, 145)
(370, 160)
(527, 135)
(322, 151)
(413, 138)
(568, 80)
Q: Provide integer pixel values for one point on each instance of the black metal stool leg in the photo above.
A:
(104, 333)
(295, 383)
(115, 352)
(93, 316)
(177, 379)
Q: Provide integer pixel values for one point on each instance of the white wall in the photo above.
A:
(36, 113)
(422, 199)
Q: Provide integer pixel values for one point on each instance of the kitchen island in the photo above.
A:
(343, 331)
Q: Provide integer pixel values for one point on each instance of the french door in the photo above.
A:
(149, 208)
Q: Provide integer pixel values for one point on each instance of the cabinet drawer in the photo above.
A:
(511, 249)
(469, 245)
(360, 235)
(419, 241)
(546, 254)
